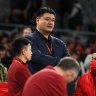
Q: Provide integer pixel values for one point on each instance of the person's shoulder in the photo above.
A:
(31, 36)
(51, 76)
(17, 66)
(84, 80)
(83, 77)
(50, 73)
(14, 66)
(47, 71)
(89, 56)
(22, 71)
(56, 39)
(22, 67)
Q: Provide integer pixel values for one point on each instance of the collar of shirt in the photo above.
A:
(47, 41)
(50, 67)
(15, 59)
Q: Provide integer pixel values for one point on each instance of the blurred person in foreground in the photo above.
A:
(51, 81)
(86, 85)
(18, 72)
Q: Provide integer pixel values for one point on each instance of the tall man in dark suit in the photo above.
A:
(46, 49)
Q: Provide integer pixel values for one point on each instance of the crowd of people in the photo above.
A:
(24, 12)
(53, 63)
(69, 14)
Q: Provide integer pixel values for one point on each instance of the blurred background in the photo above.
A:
(74, 17)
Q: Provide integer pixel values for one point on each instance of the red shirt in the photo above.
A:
(45, 83)
(85, 85)
(4, 89)
(18, 73)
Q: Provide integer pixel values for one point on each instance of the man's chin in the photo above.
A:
(28, 59)
(49, 31)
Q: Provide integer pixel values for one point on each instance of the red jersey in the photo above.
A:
(18, 73)
(45, 83)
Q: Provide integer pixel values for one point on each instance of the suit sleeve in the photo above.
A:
(65, 50)
(40, 58)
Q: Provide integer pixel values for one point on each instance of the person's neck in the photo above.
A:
(45, 34)
(59, 71)
(21, 58)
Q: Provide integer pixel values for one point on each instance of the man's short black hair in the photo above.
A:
(19, 44)
(43, 10)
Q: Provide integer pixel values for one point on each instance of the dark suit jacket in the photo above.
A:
(40, 54)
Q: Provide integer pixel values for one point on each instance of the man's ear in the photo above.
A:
(69, 73)
(37, 19)
(23, 52)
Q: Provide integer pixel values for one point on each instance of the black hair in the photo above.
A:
(19, 44)
(43, 10)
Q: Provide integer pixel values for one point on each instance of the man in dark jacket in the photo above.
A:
(46, 49)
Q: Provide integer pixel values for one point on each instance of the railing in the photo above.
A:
(56, 30)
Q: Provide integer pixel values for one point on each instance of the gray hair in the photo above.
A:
(69, 63)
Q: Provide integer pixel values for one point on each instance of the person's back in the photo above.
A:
(45, 83)
(17, 76)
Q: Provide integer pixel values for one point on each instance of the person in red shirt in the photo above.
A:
(4, 89)
(51, 81)
(86, 85)
(18, 72)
